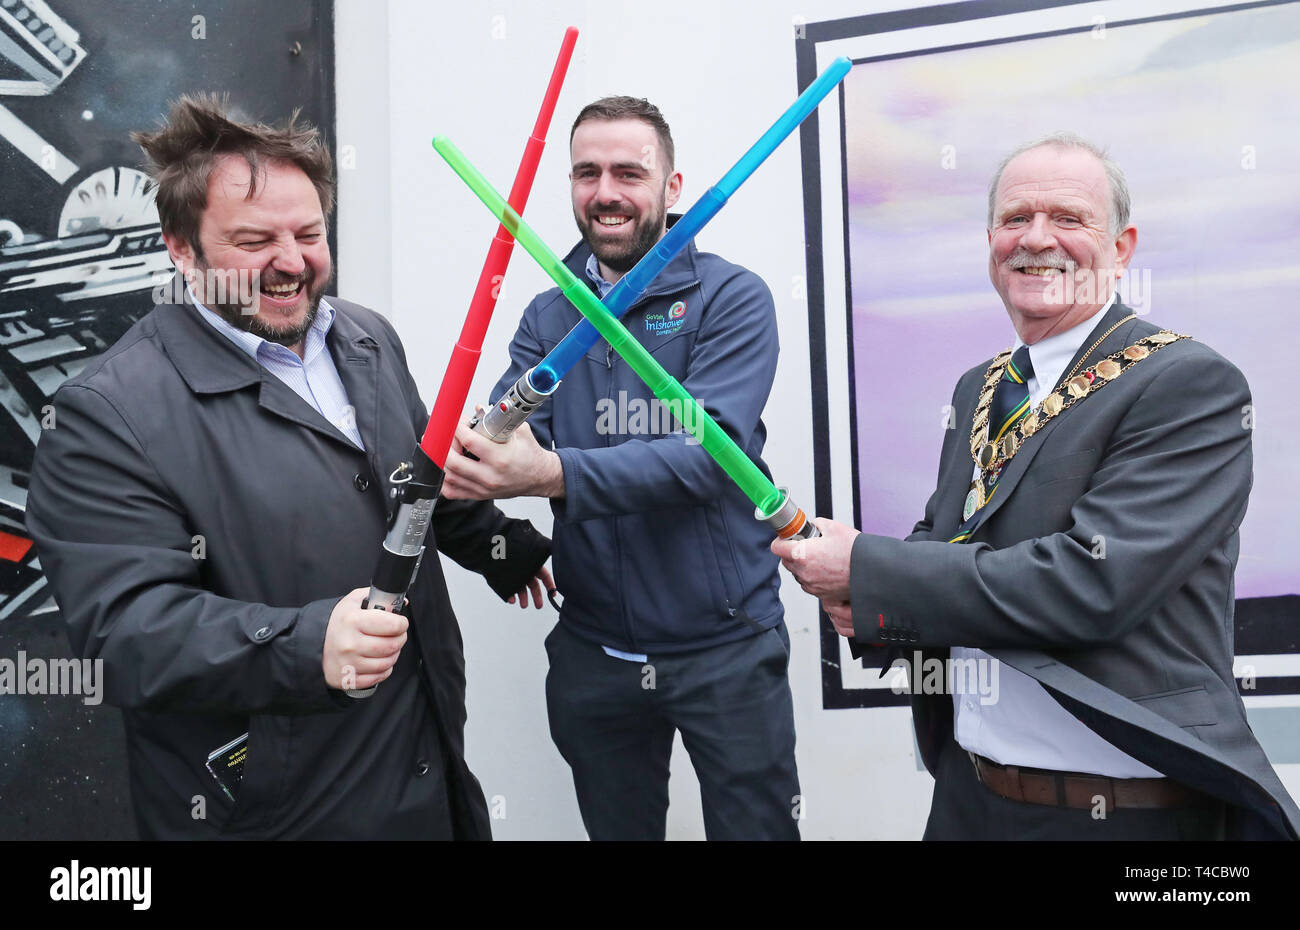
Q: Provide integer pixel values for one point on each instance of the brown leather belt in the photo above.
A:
(1081, 791)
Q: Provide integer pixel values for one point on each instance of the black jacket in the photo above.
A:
(198, 521)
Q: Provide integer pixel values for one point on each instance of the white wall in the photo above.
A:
(412, 240)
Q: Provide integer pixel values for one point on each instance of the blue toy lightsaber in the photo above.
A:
(503, 417)
(772, 504)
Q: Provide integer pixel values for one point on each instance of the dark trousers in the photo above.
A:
(963, 809)
(613, 722)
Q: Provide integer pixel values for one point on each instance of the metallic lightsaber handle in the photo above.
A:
(499, 421)
(415, 492)
(392, 601)
(789, 520)
(397, 569)
(380, 600)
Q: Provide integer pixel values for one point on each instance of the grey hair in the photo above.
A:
(1119, 197)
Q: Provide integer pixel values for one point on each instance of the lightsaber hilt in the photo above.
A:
(789, 520)
(499, 421)
(415, 487)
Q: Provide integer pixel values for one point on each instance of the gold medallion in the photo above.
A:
(1108, 369)
(1078, 386)
(1009, 445)
(1030, 425)
(1053, 404)
(1136, 353)
(987, 454)
(1162, 338)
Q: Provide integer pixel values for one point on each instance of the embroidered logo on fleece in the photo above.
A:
(666, 324)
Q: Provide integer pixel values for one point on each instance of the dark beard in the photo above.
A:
(292, 335)
(233, 313)
(624, 259)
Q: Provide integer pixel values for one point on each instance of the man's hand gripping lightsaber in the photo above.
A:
(415, 484)
(772, 504)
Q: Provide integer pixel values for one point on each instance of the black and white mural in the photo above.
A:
(80, 254)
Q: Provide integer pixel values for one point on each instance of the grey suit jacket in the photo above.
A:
(1103, 568)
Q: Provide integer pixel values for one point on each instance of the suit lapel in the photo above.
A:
(1019, 464)
(356, 356)
(956, 472)
(211, 364)
(278, 398)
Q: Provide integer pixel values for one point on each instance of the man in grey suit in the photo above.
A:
(1084, 539)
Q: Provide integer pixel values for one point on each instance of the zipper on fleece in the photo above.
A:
(618, 542)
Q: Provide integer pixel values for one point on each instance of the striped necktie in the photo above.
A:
(1010, 405)
(1011, 396)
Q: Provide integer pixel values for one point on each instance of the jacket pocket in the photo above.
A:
(710, 561)
(1185, 707)
(721, 561)
(262, 762)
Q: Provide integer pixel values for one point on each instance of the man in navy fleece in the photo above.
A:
(671, 618)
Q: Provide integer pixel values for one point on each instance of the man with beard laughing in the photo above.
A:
(212, 503)
(671, 619)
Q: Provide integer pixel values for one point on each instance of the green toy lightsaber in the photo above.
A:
(771, 503)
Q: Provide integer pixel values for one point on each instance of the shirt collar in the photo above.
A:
(681, 272)
(255, 345)
(593, 272)
(1050, 356)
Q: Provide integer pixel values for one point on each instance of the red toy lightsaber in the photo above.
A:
(416, 483)
(449, 407)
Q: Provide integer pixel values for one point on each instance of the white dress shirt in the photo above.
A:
(313, 377)
(1025, 726)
